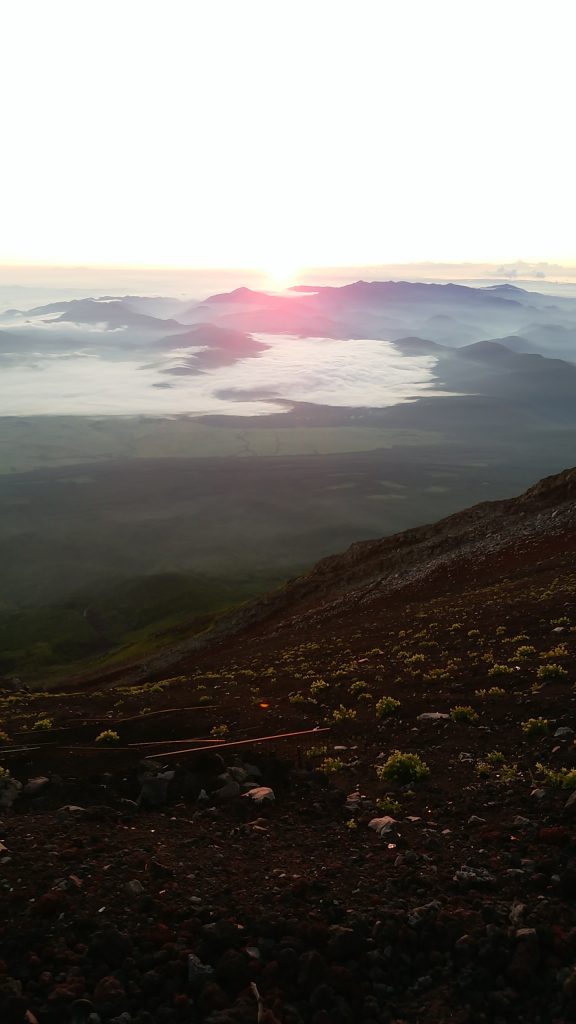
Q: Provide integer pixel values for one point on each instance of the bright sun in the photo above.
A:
(281, 274)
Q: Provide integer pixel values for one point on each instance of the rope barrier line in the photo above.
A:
(240, 743)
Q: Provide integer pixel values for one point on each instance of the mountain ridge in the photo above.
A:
(513, 530)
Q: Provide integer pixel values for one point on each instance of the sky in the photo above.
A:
(276, 134)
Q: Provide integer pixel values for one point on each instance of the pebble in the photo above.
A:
(36, 786)
(135, 888)
(10, 790)
(471, 876)
(570, 804)
(383, 826)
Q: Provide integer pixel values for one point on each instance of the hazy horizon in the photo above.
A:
(23, 287)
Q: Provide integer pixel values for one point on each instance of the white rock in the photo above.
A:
(261, 794)
(382, 825)
(9, 790)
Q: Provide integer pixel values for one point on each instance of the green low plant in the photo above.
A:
(403, 768)
(298, 698)
(331, 765)
(318, 687)
(108, 736)
(464, 713)
(492, 691)
(495, 766)
(551, 671)
(43, 723)
(388, 805)
(317, 751)
(343, 714)
(525, 651)
(535, 727)
(386, 706)
(500, 670)
(495, 757)
(563, 778)
(220, 732)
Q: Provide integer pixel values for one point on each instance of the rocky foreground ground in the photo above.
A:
(348, 884)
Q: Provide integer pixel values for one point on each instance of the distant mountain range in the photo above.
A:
(450, 314)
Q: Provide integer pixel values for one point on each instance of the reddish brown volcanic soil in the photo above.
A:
(161, 901)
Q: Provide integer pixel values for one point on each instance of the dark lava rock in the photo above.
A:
(111, 946)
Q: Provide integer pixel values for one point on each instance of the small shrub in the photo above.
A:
(318, 687)
(564, 778)
(358, 687)
(492, 691)
(495, 766)
(331, 765)
(500, 670)
(108, 736)
(298, 698)
(495, 757)
(4, 737)
(220, 732)
(535, 727)
(464, 713)
(560, 651)
(551, 671)
(386, 706)
(509, 772)
(402, 768)
(342, 714)
(317, 751)
(388, 805)
(43, 723)
(525, 651)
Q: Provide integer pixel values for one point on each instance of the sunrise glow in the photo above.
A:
(286, 134)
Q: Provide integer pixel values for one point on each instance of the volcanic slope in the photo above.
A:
(375, 887)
